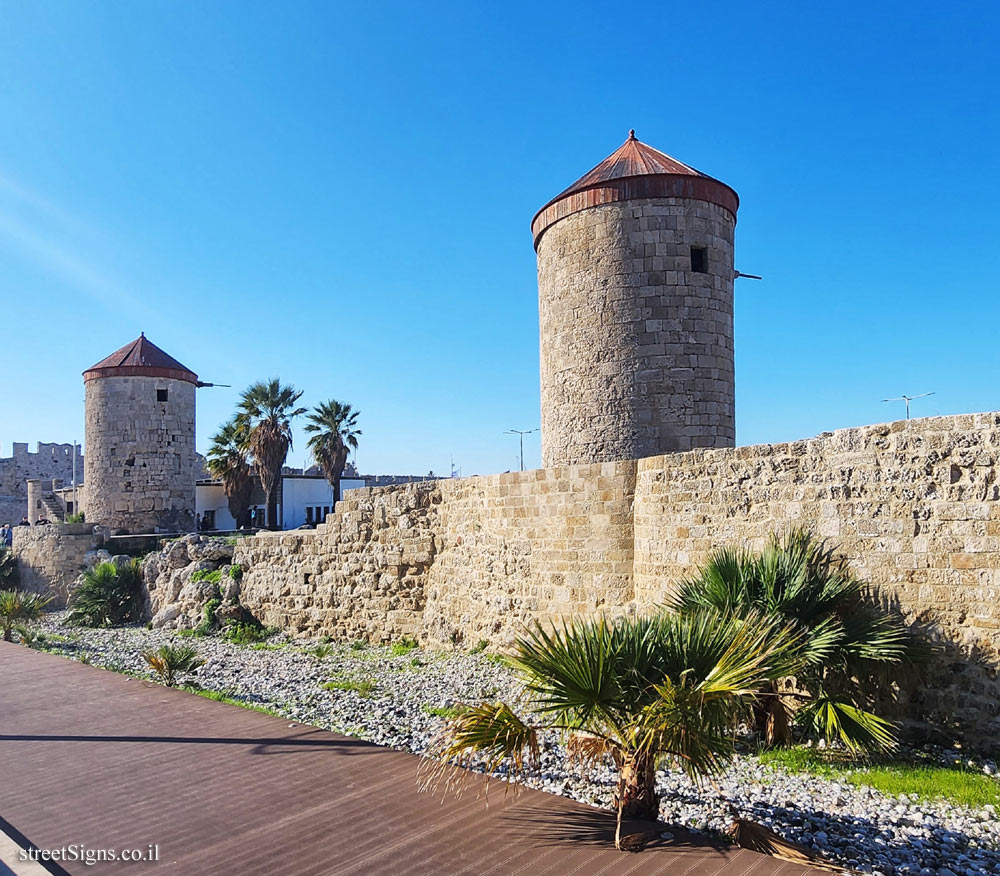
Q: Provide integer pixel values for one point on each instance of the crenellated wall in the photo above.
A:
(915, 506)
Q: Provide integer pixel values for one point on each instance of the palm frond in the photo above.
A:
(857, 729)
(492, 732)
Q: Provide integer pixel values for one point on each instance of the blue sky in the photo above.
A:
(340, 195)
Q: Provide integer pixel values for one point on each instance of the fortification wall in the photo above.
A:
(915, 507)
(51, 557)
(50, 461)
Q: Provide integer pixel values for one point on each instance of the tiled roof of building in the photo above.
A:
(140, 358)
(634, 170)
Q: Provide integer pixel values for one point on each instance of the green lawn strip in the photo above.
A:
(927, 780)
(221, 697)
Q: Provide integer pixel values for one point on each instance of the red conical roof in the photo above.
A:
(140, 358)
(634, 170)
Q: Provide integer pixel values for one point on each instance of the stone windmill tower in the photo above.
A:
(139, 466)
(635, 291)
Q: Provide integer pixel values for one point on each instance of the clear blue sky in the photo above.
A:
(340, 195)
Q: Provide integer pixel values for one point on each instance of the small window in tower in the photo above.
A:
(699, 261)
(161, 395)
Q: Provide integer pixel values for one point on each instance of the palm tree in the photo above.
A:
(168, 661)
(228, 461)
(16, 607)
(847, 637)
(265, 414)
(109, 595)
(332, 425)
(640, 691)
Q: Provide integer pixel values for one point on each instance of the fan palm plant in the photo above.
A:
(265, 414)
(228, 461)
(109, 595)
(19, 607)
(332, 425)
(846, 637)
(639, 691)
(8, 564)
(169, 661)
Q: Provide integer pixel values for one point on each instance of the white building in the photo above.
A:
(301, 499)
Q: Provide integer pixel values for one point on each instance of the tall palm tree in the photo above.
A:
(265, 414)
(848, 639)
(228, 461)
(332, 425)
(637, 690)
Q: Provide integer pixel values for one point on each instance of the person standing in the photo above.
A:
(8, 536)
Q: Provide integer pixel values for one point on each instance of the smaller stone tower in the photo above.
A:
(139, 467)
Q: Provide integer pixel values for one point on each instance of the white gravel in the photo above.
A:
(857, 827)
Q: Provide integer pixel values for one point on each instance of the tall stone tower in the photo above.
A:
(635, 292)
(139, 466)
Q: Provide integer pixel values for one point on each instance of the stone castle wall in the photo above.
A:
(140, 466)
(50, 461)
(636, 348)
(915, 506)
(51, 557)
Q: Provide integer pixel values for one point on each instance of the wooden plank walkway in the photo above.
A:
(96, 758)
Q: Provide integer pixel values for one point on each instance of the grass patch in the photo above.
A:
(223, 697)
(268, 646)
(359, 645)
(402, 647)
(187, 634)
(479, 647)
(247, 633)
(442, 711)
(926, 779)
(362, 688)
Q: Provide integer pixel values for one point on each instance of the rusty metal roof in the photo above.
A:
(112, 762)
(634, 170)
(140, 358)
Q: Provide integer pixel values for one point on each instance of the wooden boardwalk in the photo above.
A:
(99, 759)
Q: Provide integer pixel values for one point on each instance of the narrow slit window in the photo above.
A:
(161, 395)
(699, 260)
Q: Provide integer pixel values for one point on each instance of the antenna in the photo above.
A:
(908, 399)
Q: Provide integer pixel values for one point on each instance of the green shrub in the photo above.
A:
(73, 518)
(168, 661)
(214, 576)
(236, 572)
(34, 639)
(320, 652)
(185, 634)
(108, 596)
(208, 622)
(247, 633)
(17, 606)
(359, 645)
(479, 647)
(402, 647)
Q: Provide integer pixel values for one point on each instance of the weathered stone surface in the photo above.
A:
(175, 601)
(140, 465)
(636, 348)
(50, 558)
(915, 506)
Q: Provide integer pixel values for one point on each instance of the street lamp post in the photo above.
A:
(521, 433)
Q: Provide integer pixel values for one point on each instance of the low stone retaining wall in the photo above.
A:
(50, 558)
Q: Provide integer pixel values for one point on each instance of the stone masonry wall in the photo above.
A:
(51, 557)
(913, 505)
(140, 464)
(50, 461)
(636, 348)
